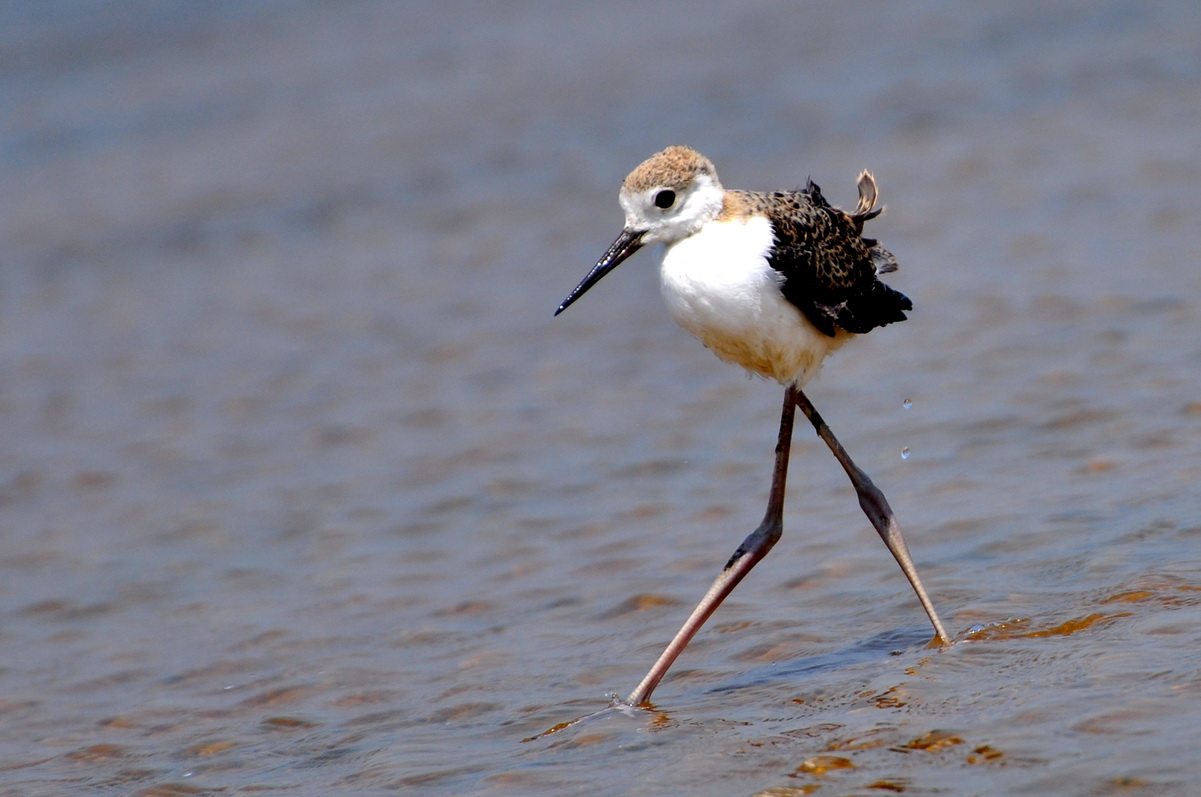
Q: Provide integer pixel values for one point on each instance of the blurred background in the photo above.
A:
(302, 489)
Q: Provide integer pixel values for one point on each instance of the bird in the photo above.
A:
(775, 283)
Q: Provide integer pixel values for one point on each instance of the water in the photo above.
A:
(303, 490)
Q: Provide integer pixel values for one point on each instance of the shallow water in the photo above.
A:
(302, 489)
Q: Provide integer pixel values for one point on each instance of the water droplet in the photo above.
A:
(906, 403)
(905, 452)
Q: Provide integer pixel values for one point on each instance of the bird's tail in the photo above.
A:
(866, 210)
(867, 200)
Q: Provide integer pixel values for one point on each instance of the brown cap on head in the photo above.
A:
(675, 167)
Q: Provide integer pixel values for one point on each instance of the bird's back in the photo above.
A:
(829, 269)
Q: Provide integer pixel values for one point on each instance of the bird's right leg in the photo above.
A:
(876, 507)
(752, 549)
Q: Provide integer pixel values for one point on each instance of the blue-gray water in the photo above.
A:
(303, 491)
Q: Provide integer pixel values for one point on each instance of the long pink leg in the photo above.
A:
(753, 548)
(876, 507)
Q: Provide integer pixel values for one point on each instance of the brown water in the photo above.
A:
(303, 491)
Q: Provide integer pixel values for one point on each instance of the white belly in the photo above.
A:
(718, 286)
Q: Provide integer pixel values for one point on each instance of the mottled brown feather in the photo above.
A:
(829, 269)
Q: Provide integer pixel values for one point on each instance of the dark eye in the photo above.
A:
(665, 199)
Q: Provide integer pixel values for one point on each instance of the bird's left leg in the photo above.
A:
(752, 549)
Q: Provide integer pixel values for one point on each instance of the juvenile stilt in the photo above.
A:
(773, 282)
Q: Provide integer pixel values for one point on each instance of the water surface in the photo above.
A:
(303, 490)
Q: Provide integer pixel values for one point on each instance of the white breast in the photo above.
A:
(719, 286)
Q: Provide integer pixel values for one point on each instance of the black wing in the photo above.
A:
(829, 269)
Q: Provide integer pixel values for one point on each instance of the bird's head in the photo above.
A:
(667, 198)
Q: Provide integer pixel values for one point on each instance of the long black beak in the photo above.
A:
(629, 242)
